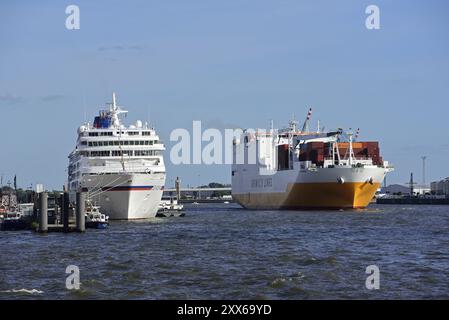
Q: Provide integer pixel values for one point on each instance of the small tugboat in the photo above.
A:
(95, 219)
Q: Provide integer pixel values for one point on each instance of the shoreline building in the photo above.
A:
(440, 187)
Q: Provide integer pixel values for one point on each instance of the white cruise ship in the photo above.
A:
(121, 168)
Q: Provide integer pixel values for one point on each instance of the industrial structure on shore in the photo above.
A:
(440, 187)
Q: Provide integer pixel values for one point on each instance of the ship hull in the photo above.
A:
(308, 190)
(125, 196)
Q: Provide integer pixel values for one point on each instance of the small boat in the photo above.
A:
(13, 216)
(13, 221)
(95, 219)
(170, 208)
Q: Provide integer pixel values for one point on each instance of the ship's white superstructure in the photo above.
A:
(120, 167)
(299, 169)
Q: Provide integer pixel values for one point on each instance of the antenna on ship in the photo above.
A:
(305, 127)
(84, 108)
(114, 105)
(293, 124)
(351, 150)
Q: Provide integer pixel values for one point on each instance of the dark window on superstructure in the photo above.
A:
(83, 143)
(142, 153)
(145, 153)
(99, 153)
(146, 133)
(93, 134)
(120, 142)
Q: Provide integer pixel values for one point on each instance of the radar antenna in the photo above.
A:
(115, 110)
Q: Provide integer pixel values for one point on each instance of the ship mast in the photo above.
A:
(114, 111)
(351, 150)
(291, 133)
(9, 195)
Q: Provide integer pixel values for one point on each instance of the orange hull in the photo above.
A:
(312, 196)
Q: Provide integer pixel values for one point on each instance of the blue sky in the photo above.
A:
(227, 63)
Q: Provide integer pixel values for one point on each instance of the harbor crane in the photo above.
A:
(305, 127)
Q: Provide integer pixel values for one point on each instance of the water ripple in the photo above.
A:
(223, 252)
